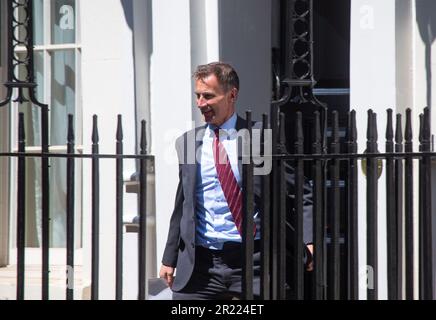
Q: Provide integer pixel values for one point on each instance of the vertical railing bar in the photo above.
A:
(427, 242)
(391, 220)
(318, 225)
(119, 212)
(247, 221)
(372, 176)
(399, 205)
(45, 164)
(70, 209)
(409, 233)
(299, 180)
(282, 217)
(21, 209)
(421, 257)
(275, 203)
(95, 260)
(352, 218)
(142, 236)
(265, 289)
(334, 261)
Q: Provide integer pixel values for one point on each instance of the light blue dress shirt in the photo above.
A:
(215, 223)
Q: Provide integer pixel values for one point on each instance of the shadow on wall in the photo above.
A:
(128, 12)
(426, 20)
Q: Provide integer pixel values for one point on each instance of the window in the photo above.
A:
(57, 73)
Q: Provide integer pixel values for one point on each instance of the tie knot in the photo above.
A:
(217, 132)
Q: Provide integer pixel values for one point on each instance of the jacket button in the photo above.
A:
(193, 244)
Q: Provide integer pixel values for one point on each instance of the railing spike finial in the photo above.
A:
(421, 129)
(143, 137)
(427, 125)
(265, 126)
(21, 129)
(120, 128)
(335, 129)
(352, 127)
(399, 130)
(375, 129)
(248, 117)
(369, 132)
(408, 134)
(389, 126)
(70, 135)
(95, 137)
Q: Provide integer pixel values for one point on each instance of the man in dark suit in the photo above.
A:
(204, 239)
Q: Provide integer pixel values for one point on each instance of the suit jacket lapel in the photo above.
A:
(190, 174)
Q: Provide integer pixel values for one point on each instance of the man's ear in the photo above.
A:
(234, 94)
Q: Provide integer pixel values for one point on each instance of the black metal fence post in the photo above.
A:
(248, 209)
(334, 253)
(95, 212)
(371, 210)
(391, 221)
(70, 209)
(119, 212)
(426, 243)
(265, 289)
(299, 181)
(21, 209)
(409, 223)
(318, 215)
(352, 227)
(142, 236)
(281, 218)
(399, 205)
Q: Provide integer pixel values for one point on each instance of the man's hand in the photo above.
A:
(167, 273)
(309, 263)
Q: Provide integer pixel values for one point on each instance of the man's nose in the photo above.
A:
(201, 102)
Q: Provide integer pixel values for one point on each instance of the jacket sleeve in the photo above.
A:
(172, 246)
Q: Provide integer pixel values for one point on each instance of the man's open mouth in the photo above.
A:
(208, 113)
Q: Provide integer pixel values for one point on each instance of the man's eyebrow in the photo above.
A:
(204, 93)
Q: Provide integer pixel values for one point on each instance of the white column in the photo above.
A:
(171, 102)
(108, 90)
(372, 84)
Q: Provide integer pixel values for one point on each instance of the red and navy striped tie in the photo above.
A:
(227, 179)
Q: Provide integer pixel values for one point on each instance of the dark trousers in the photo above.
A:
(217, 274)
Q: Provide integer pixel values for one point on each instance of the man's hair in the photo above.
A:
(226, 75)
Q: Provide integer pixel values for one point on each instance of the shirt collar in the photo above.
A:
(228, 125)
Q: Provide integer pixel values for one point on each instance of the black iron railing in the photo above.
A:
(70, 158)
(336, 251)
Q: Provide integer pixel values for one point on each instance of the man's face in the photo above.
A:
(216, 105)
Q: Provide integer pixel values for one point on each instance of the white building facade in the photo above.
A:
(136, 58)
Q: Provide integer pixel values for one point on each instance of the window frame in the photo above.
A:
(48, 50)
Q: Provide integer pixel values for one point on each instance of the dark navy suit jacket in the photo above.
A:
(180, 247)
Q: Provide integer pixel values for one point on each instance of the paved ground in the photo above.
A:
(57, 287)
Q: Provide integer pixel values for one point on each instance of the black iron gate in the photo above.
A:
(399, 166)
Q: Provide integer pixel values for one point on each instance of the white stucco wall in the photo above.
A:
(171, 102)
(108, 90)
(372, 83)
